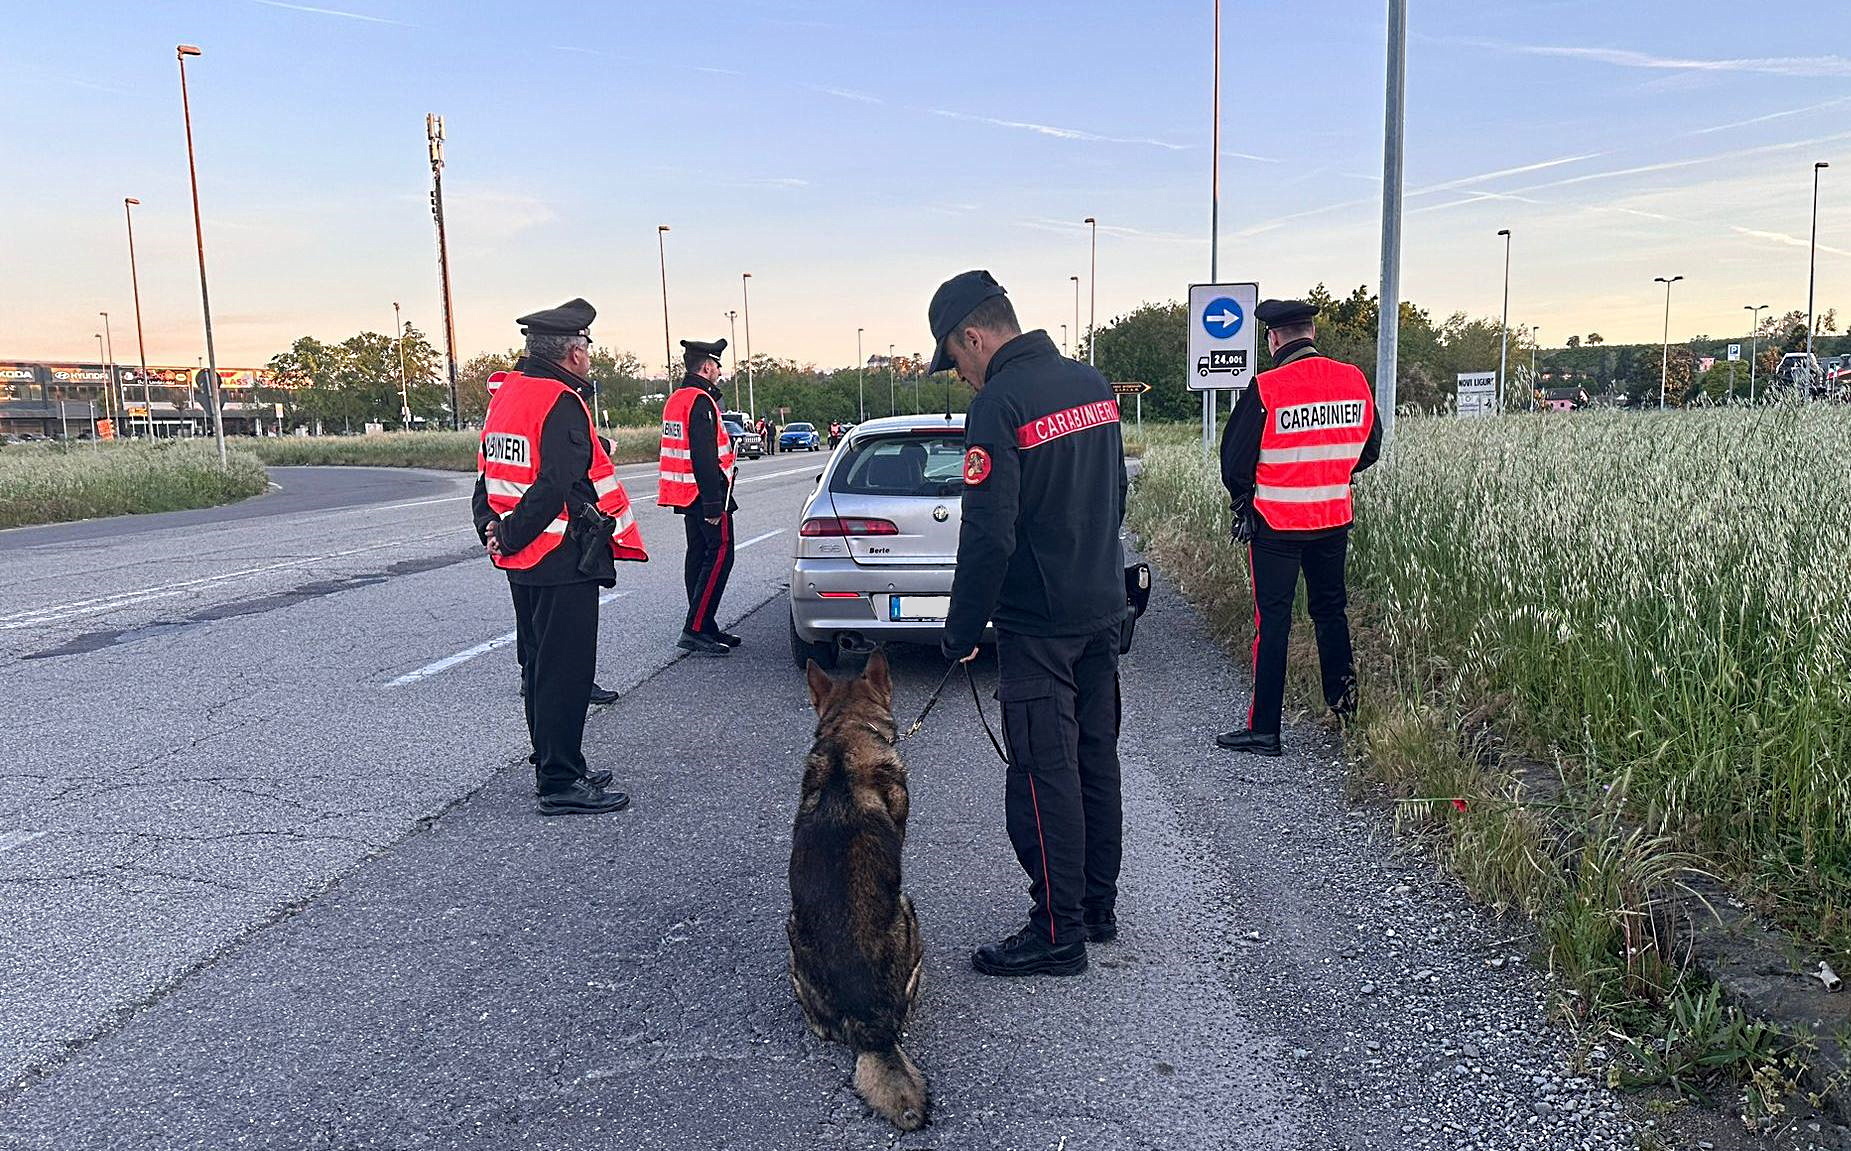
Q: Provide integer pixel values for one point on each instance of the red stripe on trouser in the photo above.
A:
(1254, 584)
(1047, 881)
(713, 577)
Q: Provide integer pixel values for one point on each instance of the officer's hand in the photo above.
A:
(1243, 524)
(971, 656)
(492, 540)
(714, 520)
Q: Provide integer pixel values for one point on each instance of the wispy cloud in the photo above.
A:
(1058, 133)
(1696, 161)
(331, 12)
(1770, 116)
(1046, 224)
(774, 182)
(1227, 155)
(846, 94)
(1810, 66)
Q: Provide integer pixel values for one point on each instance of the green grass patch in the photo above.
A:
(42, 484)
(442, 451)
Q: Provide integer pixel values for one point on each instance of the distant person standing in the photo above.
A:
(1297, 436)
(1039, 554)
(552, 515)
(697, 474)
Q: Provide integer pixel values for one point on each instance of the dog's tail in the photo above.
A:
(892, 1084)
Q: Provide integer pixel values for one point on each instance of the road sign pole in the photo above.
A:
(1388, 327)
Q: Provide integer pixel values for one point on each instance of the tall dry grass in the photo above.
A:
(52, 483)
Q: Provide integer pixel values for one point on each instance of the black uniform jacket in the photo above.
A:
(704, 451)
(1240, 447)
(1044, 495)
(565, 458)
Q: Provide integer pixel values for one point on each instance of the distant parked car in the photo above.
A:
(795, 436)
(746, 443)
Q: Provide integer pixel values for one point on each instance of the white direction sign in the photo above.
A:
(1478, 393)
(1223, 349)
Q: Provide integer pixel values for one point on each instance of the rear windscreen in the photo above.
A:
(919, 465)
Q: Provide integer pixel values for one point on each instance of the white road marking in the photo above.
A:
(818, 465)
(759, 539)
(58, 613)
(11, 839)
(467, 654)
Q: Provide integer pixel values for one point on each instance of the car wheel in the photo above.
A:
(802, 651)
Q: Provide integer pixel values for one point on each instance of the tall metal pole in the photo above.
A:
(199, 240)
(668, 357)
(112, 394)
(1063, 339)
(1535, 344)
(1076, 306)
(1388, 320)
(1812, 263)
(732, 341)
(1504, 338)
(1754, 330)
(1214, 223)
(1664, 367)
(1092, 295)
(147, 399)
(861, 376)
(893, 405)
(745, 295)
(433, 130)
(96, 435)
(404, 377)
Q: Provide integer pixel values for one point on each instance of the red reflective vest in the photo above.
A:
(1318, 416)
(508, 459)
(676, 486)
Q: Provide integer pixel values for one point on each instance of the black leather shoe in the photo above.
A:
(1028, 952)
(1251, 742)
(600, 777)
(727, 638)
(581, 797)
(702, 644)
(1101, 926)
(602, 694)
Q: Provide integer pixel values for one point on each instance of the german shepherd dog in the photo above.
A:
(855, 952)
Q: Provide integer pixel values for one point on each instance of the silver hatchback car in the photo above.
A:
(878, 541)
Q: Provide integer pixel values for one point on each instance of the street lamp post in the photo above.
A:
(1388, 335)
(1092, 294)
(861, 376)
(199, 240)
(147, 401)
(1754, 330)
(404, 378)
(433, 131)
(1063, 339)
(745, 296)
(96, 435)
(112, 387)
(1664, 368)
(893, 405)
(668, 357)
(1504, 337)
(1812, 261)
(1076, 306)
(1535, 380)
(732, 341)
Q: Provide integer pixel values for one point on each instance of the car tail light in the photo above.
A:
(838, 595)
(847, 526)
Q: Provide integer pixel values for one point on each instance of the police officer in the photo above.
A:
(1039, 554)
(552, 515)
(697, 476)
(1296, 438)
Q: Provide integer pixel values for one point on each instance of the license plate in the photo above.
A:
(918, 608)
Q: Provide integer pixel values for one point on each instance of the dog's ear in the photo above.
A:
(820, 685)
(877, 675)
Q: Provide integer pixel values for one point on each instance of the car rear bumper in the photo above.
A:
(820, 618)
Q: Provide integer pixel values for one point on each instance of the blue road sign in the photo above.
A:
(1222, 318)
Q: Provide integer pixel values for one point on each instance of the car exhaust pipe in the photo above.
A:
(854, 643)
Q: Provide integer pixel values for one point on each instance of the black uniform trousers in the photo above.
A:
(706, 568)
(1275, 559)
(556, 639)
(1061, 800)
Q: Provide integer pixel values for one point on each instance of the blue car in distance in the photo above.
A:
(796, 437)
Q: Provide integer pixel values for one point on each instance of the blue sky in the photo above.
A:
(850, 155)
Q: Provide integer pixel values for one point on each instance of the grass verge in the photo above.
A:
(443, 451)
(42, 484)
(1645, 606)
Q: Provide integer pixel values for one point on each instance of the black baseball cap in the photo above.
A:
(955, 299)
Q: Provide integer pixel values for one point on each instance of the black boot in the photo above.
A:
(726, 637)
(702, 644)
(602, 694)
(1101, 926)
(580, 798)
(1251, 742)
(1028, 952)
(599, 777)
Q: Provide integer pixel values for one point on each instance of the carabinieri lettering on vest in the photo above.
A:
(502, 448)
(1317, 417)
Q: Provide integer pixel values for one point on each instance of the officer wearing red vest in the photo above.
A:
(552, 515)
(696, 479)
(1296, 438)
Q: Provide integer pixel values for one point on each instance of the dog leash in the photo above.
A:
(976, 700)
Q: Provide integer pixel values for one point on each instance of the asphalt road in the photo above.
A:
(278, 901)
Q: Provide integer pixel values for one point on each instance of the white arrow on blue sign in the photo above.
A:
(1223, 318)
